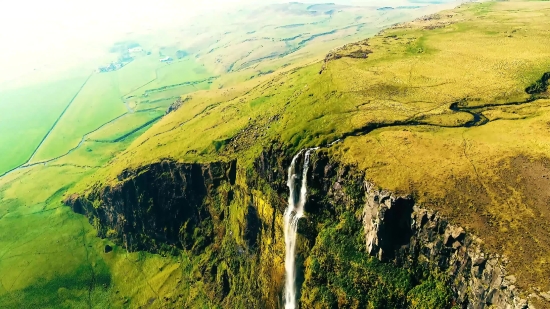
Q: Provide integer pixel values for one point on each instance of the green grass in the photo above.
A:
(136, 74)
(100, 101)
(26, 115)
(165, 79)
(124, 125)
(97, 103)
(426, 150)
(180, 71)
(47, 253)
(51, 257)
(26, 249)
(154, 99)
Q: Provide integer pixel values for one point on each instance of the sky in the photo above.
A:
(39, 23)
(51, 31)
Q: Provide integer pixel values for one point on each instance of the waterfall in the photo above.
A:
(293, 213)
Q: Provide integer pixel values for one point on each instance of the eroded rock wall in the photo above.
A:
(158, 206)
(237, 212)
(401, 232)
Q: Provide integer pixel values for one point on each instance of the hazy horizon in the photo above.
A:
(68, 33)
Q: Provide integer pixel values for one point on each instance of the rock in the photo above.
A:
(523, 304)
(176, 105)
(107, 249)
(479, 261)
(453, 234)
(458, 233)
(423, 238)
(511, 279)
(148, 196)
(456, 245)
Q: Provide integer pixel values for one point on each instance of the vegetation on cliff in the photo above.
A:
(452, 108)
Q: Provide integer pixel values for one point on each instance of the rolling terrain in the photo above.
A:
(51, 257)
(449, 112)
(429, 108)
(204, 57)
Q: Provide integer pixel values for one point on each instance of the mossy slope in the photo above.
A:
(444, 107)
(482, 162)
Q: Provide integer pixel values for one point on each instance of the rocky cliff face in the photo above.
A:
(399, 231)
(230, 231)
(230, 218)
(158, 206)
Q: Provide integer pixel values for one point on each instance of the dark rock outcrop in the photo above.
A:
(358, 50)
(172, 206)
(176, 105)
(427, 240)
(540, 86)
(157, 206)
(107, 249)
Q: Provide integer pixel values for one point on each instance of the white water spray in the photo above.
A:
(293, 213)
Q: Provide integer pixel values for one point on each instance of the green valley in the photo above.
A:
(416, 141)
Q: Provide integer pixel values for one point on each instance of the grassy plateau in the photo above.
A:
(452, 108)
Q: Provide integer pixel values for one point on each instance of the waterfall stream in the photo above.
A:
(293, 213)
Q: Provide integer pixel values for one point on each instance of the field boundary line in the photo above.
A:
(50, 130)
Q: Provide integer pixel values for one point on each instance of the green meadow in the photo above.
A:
(99, 102)
(27, 114)
(234, 83)
(394, 112)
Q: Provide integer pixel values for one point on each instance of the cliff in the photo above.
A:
(229, 218)
(158, 206)
(398, 230)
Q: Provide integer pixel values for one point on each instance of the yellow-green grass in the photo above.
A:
(167, 75)
(388, 86)
(180, 71)
(91, 154)
(125, 125)
(485, 178)
(472, 174)
(263, 41)
(315, 109)
(168, 96)
(50, 257)
(137, 73)
(27, 114)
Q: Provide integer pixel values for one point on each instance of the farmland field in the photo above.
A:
(51, 257)
(124, 125)
(98, 103)
(26, 116)
(215, 60)
(181, 71)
